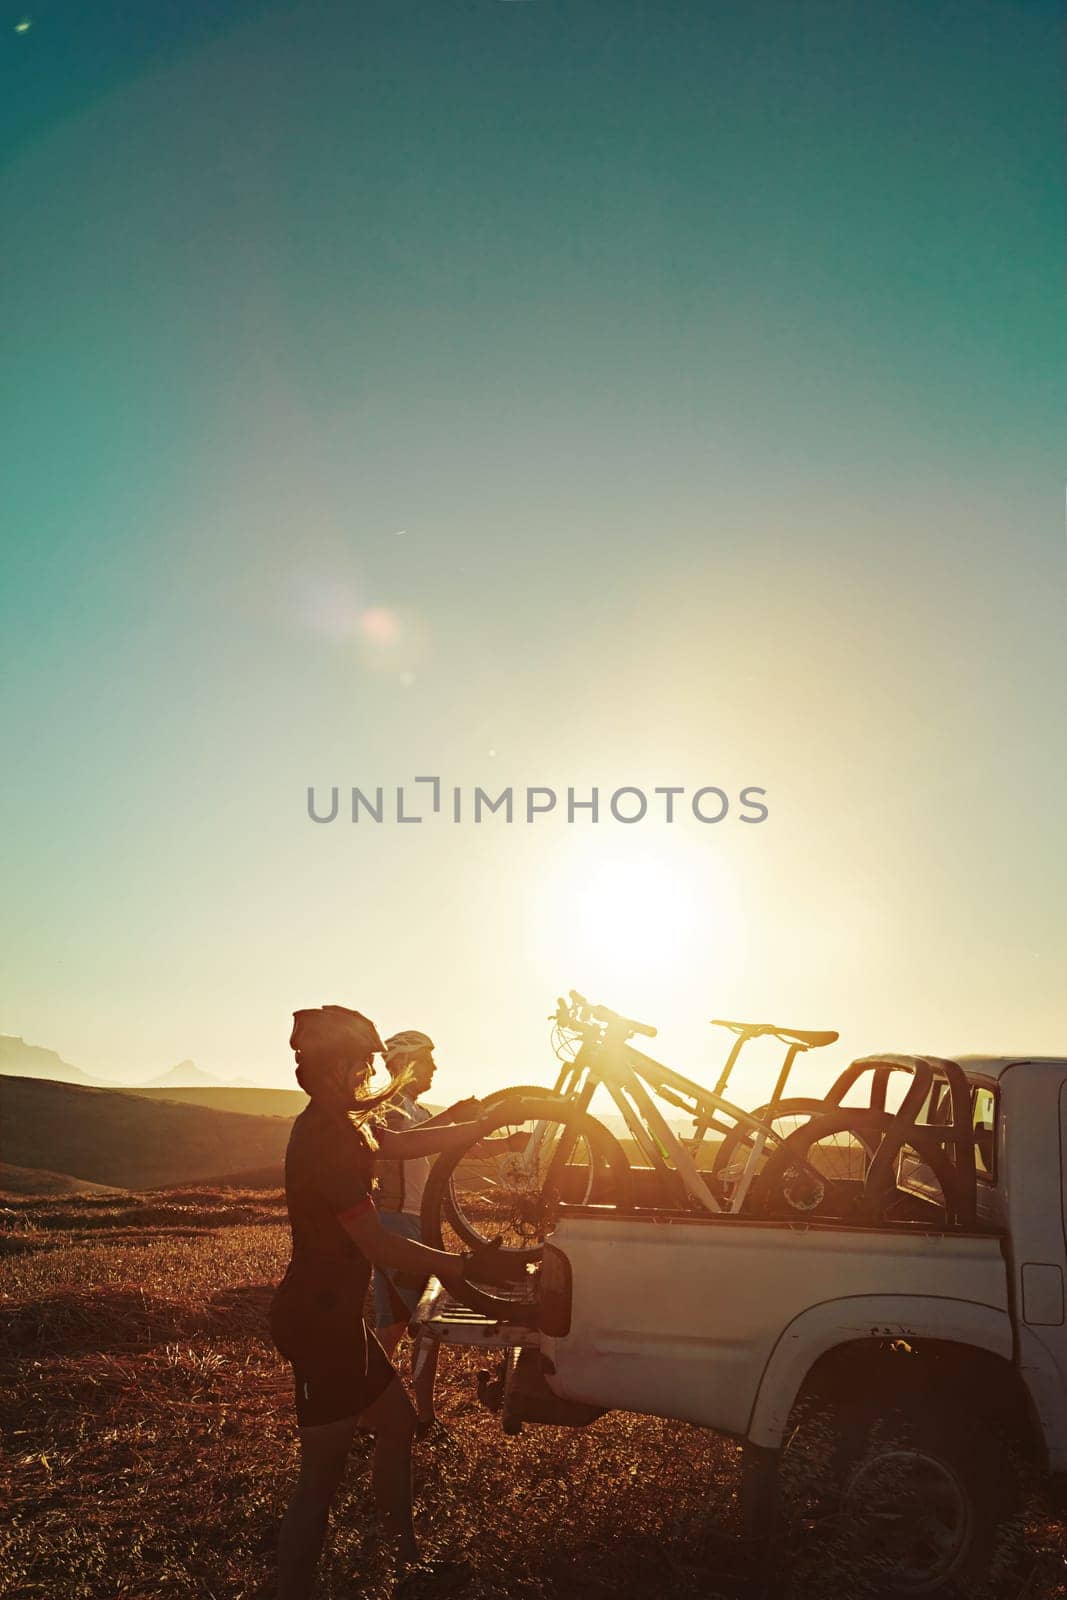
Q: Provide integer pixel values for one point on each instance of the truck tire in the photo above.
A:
(918, 1499)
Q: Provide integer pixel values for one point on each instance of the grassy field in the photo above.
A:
(150, 1441)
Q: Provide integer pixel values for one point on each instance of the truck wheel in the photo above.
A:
(916, 1498)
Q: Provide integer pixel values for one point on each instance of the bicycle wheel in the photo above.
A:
(530, 1091)
(822, 1171)
(782, 1119)
(552, 1155)
(521, 1091)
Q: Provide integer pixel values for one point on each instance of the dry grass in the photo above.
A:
(150, 1443)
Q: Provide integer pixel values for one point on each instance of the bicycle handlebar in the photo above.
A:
(578, 1003)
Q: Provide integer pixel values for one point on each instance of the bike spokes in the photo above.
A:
(510, 1187)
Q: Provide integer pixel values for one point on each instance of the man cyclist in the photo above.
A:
(400, 1189)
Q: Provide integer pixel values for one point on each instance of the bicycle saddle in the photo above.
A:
(809, 1040)
(812, 1040)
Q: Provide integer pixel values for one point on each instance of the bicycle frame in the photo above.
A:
(628, 1075)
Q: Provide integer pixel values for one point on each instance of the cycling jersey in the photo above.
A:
(317, 1311)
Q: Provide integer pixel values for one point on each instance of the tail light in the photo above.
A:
(555, 1293)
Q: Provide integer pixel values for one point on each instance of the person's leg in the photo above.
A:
(391, 1311)
(323, 1451)
(392, 1421)
(389, 1337)
(424, 1371)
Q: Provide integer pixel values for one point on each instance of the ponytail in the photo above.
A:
(320, 1081)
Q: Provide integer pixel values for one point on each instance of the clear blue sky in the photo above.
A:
(641, 392)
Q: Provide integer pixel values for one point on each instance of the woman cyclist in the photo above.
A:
(343, 1378)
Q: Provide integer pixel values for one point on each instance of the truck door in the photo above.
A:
(1038, 1244)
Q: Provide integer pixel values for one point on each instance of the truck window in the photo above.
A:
(936, 1109)
(984, 1121)
(937, 1112)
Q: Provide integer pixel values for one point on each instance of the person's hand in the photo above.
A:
(491, 1264)
(468, 1110)
(511, 1110)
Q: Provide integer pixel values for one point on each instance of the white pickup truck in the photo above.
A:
(937, 1353)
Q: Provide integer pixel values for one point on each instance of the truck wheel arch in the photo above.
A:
(871, 1320)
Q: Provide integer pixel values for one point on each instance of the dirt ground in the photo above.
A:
(149, 1442)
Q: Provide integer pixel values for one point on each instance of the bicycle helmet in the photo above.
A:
(401, 1047)
(323, 1032)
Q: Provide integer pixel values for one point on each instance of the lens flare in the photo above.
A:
(380, 625)
(391, 643)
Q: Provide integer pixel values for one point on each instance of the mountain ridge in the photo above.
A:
(20, 1059)
(186, 1075)
(119, 1138)
(36, 1061)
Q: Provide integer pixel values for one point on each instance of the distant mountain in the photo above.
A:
(229, 1097)
(33, 1061)
(186, 1075)
(112, 1136)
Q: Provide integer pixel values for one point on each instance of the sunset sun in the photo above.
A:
(633, 919)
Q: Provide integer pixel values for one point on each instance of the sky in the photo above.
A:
(532, 394)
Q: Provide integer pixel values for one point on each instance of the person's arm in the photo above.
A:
(462, 1111)
(384, 1249)
(427, 1140)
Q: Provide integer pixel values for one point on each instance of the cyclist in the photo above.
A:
(343, 1378)
(400, 1190)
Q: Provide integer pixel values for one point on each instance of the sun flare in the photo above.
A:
(641, 923)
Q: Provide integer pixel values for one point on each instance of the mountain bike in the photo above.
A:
(475, 1199)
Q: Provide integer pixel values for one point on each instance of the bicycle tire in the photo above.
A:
(791, 1188)
(799, 1105)
(532, 1091)
(519, 1091)
(522, 1091)
(440, 1207)
(601, 1153)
